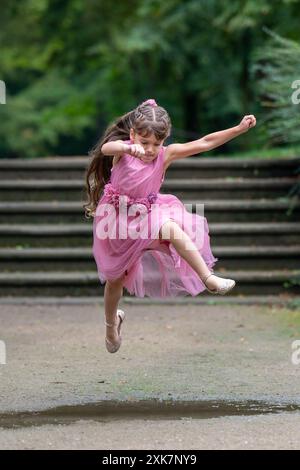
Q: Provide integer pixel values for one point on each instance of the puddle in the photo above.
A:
(106, 411)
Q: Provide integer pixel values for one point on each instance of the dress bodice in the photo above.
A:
(136, 178)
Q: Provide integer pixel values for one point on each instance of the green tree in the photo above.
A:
(277, 68)
(71, 67)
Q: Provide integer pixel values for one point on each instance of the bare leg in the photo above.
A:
(172, 232)
(113, 291)
(179, 239)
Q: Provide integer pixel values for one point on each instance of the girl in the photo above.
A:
(129, 164)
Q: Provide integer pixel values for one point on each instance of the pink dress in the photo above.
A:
(126, 235)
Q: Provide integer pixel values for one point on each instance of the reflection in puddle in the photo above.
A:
(106, 411)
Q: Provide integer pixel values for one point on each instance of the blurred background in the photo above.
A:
(71, 67)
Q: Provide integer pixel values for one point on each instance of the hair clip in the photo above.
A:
(151, 101)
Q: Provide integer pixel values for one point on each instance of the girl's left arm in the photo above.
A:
(209, 141)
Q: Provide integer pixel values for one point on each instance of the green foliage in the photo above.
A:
(71, 67)
(277, 65)
(49, 108)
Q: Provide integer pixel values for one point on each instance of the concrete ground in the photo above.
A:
(56, 357)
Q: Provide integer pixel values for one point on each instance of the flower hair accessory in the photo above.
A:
(151, 101)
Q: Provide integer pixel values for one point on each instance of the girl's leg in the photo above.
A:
(172, 232)
(113, 291)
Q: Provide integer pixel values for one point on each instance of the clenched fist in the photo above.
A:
(136, 150)
(247, 122)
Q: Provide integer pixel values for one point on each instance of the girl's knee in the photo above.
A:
(115, 283)
(168, 229)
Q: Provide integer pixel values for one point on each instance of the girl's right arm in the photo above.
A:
(116, 147)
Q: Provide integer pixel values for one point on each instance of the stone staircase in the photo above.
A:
(46, 242)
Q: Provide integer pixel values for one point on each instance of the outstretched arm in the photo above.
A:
(209, 141)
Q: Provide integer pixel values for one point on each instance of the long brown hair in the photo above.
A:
(144, 119)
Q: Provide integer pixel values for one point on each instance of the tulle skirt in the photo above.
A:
(150, 266)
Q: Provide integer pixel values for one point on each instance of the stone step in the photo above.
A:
(229, 188)
(255, 233)
(73, 167)
(46, 242)
(237, 168)
(248, 210)
(215, 210)
(214, 188)
(222, 234)
(284, 300)
(80, 259)
(87, 283)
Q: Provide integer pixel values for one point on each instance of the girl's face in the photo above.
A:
(150, 144)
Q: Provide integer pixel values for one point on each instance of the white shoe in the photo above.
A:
(224, 286)
(113, 347)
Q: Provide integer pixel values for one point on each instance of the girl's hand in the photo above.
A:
(136, 150)
(247, 122)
